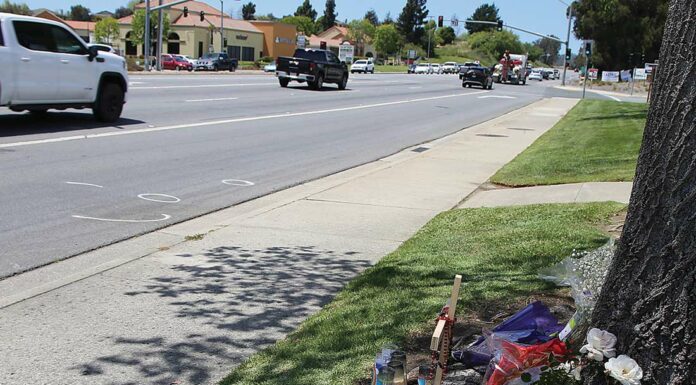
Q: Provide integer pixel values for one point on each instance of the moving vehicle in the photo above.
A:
(103, 48)
(463, 68)
(364, 66)
(423, 68)
(313, 66)
(478, 76)
(216, 62)
(536, 75)
(45, 65)
(270, 67)
(511, 69)
(176, 63)
(450, 67)
(437, 69)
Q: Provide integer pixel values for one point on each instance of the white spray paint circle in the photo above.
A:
(164, 218)
(153, 198)
(238, 182)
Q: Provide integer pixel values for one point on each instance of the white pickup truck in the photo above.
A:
(45, 65)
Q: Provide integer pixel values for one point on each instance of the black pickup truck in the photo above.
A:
(314, 66)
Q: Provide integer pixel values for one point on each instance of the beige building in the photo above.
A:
(335, 36)
(190, 36)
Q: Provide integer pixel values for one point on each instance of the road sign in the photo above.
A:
(592, 73)
(455, 22)
(346, 52)
(411, 53)
(641, 74)
(649, 67)
(301, 41)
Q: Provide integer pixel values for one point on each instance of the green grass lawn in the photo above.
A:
(498, 252)
(598, 141)
(388, 68)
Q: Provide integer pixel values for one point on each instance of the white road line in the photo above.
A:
(84, 184)
(414, 88)
(239, 120)
(164, 218)
(209, 100)
(610, 97)
(203, 86)
(497, 97)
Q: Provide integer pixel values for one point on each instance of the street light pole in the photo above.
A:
(567, 44)
(159, 39)
(222, 29)
(147, 35)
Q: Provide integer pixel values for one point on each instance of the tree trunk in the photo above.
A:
(649, 298)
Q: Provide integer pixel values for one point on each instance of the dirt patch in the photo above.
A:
(615, 226)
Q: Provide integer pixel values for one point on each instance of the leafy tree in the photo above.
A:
(431, 38)
(495, 43)
(372, 17)
(80, 13)
(106, 30)
(268, 17)
(306, 10)
(121, 12)
(137, 35)
(534, 53)
(387, 39)
(649, 294)
(485, 12)
(16, 8)
(388, 19)
(412, 19)
(550, 49)
(446, 35)
(249, 11)
(329, 18)
(304, 24)
(621, 28)
(360, 32)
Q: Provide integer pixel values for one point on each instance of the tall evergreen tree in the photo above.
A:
(388, 19)
(80, 13)
(330, 14)
(306, 10)
(485, 12)
(372, 17)
(412, 19)
(16, 8)
(249, 11)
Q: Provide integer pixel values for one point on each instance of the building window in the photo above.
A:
(131, 49)
(234, 51)
(173, 43)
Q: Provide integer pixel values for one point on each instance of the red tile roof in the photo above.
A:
(81, 25)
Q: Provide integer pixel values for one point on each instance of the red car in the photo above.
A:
(175, 62)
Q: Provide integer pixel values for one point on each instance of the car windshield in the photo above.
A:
(361, 62)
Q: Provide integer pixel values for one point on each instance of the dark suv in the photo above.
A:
(477, 76)
(216, 62)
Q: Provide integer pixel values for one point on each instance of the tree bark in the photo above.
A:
(649, 297)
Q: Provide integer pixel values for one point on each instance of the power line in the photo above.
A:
(564, 3)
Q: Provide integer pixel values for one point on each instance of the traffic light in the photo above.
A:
(202, 16)
(569, 54)
(642, 59)
(500, 25)
(588, 48)
(185, 11)
(440, 21)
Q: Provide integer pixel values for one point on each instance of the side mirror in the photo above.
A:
(92, 52)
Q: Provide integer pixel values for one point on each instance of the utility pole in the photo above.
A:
(587, 73)
(222, 29)
(147, 35)
(567, 42)
(159, 38)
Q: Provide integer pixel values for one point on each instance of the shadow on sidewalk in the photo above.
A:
(236, 300)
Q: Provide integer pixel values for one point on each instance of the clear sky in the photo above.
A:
(544, 16)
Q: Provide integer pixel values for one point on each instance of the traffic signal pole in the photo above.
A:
(567, 43)
(158, 59)
(147, 36)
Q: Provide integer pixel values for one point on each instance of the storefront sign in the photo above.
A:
(242, 37)
(346, 52)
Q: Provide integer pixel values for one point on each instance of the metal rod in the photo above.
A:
(633, 80)
(147, 35)
(159, 39)
(587, 74)
(168, 5)
(222, 29)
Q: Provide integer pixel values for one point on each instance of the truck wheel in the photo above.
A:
(283, 82)
(319, 83)
(109, 104)
(232, 68)
(344, 83)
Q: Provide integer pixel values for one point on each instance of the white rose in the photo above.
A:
(624, 369)
(600, 344)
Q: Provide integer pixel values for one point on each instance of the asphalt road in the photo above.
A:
(192, 144)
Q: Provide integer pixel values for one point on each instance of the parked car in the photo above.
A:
(536, 75)
(270, 67)
(176, 63)
(423, 68)
(313, 66)
(216, 62)
(450, 67)
(189, 59)
(411, 69)
(364, 66)
(478, 76)
(437, 68)
(45, 65)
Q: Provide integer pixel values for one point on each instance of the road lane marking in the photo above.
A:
(497, 97)
(169, 198)
(203, 86)
(84, 184)
(609, 96)
(237, 182)
(164, 218)
(240, 120)
(209, 100)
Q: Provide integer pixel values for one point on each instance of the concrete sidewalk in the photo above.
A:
(161, 309)
(563, 193)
